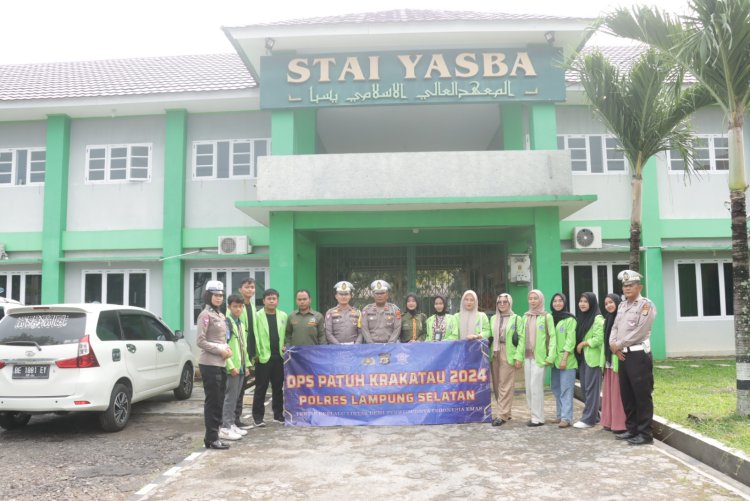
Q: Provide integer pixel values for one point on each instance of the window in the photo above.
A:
(593, 154)
(22, 166)
(231, 278)
(126, 287)
(712, 154)
(235, 158)
(118, 163)
(600, 278)
(704, 289)
(22, 286)
(108, 326)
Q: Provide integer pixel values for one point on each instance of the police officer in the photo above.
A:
(629, 340)
(342, 323)
(381, 320)
(305, 326)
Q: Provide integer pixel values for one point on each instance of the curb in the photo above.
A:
(731, 462)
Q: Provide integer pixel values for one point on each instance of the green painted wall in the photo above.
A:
(543, 126)
(193, 238)
(513, 126)
(22, 241)
(282, 262)
(651, 257)
(55, 208)
(293, 132)
(175, 169)
(546, 256)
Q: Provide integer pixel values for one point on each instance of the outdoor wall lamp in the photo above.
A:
(550, 37)
(269, 43)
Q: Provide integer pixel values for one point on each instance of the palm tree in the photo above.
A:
(647, 109)
(713, 43)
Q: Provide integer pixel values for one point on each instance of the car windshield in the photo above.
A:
(42, 328)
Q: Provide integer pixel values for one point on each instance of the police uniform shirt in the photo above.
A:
(342, 325)
(381, 325)
(305, 329)
(633, 322)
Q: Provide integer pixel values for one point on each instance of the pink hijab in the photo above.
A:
(531, 317)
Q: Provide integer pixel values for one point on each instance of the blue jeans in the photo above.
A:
(562, 382)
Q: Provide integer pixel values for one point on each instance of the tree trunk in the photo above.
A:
(740, 271)
(635, 225)
(741, 289)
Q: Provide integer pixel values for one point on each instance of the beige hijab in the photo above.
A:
(499, 321)
(468, 318)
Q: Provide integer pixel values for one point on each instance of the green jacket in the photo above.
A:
(543, 354)
(482, 327)
(513, 353)
(451, 328)
(238, 345)
(263, 337)
(594, 352)
(406, 326)
(565, 341)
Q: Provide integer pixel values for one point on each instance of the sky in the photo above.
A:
(36, 31)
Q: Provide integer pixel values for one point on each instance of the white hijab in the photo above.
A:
(468, 318)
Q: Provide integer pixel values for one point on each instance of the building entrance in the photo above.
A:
(427, 270)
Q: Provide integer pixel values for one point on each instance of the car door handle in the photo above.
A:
(159, 346)
(130, 347)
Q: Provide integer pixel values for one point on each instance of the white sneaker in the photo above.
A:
(227, 434)
(581, 425)
(238, 431)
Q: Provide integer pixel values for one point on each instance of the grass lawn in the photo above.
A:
(705, 388)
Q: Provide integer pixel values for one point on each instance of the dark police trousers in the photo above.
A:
(214, 386)
(636, 385)
(273, 372)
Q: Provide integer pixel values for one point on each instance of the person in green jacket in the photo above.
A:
(237, 367)
(564, 370)
(442, 325)
(505, 355)
(613, 413)
(412, 321)
(269, 345)
(472, 323)
(540, 349)
(590, 354)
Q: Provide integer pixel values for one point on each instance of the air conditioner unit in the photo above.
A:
(234, 245)
(587, 237)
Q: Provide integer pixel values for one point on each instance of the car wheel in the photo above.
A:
(117, 415)
(14, 420)
(185, 389)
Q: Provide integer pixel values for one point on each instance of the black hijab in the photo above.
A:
(406, 301)
(609, 321)
(445, 306)
(585, 320)
(559, 316)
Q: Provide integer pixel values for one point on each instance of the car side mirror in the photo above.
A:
(178, 335)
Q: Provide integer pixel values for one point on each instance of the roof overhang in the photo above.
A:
(260, 211)
(250, 41)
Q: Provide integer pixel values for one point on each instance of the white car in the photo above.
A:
(6, 304)
(87, 357)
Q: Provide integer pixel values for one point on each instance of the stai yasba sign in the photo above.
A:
(533, 74)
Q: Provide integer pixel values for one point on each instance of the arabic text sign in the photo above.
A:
(412, 77)
(387, 384)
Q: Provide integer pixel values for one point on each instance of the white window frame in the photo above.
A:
(712, 148)
(128, 163)
(229, 289)
(594, 278)
(253, 171)
(699, 289)
(26, 181)
(125, 285)
(605, 149)
(8, 293)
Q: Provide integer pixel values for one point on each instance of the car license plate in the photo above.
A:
(31, 372)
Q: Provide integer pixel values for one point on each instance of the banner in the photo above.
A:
(387, 384)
